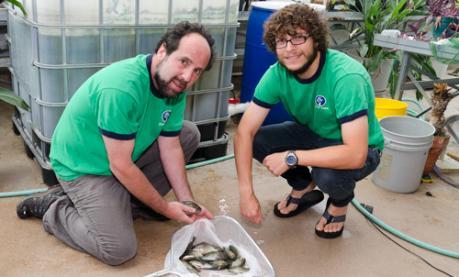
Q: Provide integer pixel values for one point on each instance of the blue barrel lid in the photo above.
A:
(270, 5)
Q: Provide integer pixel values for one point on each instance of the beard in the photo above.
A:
(163, 85)
(306, 65)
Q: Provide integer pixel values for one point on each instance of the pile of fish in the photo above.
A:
(205, 256)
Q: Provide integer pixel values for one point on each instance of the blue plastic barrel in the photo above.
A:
(257, 57)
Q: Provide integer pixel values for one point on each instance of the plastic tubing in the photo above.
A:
(411, 112)
(415, 102)
(21, 192)
(354, 202)
(401, 235)
(189, 166)
(212, 161)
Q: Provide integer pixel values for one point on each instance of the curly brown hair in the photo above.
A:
(287, 20)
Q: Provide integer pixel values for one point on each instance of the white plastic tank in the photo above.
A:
(69, 40)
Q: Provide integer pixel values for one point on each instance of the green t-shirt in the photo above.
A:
(119, 102)
(339, 92)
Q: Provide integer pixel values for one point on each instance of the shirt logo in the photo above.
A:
(165, 115)
(320, 100)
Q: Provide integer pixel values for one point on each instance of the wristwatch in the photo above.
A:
(291, 159)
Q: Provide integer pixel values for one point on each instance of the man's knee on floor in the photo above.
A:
(119, 253)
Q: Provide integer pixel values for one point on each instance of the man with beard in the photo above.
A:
(121, 145)
(334, 132)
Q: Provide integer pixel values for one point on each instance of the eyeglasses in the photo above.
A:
(282, 43)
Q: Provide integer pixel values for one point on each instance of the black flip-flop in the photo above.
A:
(331, 219)
(308, 200)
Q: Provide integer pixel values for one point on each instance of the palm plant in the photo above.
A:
(379, 15)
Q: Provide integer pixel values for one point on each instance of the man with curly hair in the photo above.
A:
(121, 145)
(335, 132)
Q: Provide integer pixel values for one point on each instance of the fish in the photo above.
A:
(203, 249)
(238, 270)
(231, 252)
(220, 264)
(240, 261)
(210, 257)
(192, 204)
(188, 247)
(200, 265)
(206, 256)
(190, 267)
(188, 257)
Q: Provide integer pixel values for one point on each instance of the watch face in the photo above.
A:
(291, 159)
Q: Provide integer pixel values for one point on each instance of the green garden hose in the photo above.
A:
(401, 235)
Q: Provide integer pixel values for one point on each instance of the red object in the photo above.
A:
(234, 101)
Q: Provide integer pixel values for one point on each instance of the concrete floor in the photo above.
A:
(290, 244)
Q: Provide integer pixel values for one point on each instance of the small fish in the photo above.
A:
(190, 267)
(240, 261)
(200, 265)
(231, 252)
(210, 257)
(238, 270)
(188, 247)
(192, 204)
(187, 258)
(203, 249)
(220, 264)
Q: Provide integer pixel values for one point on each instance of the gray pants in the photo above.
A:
(95, 215)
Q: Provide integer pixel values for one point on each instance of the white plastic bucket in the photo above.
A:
(407, 143)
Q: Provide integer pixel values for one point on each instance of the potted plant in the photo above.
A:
(441, 96)
(379, 15)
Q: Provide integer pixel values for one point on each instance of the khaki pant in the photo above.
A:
(95, 215)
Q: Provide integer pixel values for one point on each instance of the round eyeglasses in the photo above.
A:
(282, 43)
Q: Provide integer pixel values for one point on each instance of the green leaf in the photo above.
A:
(423, 63)
(8, 96)
(17, 4)
(397, 9)
(355, 33)
(363, 50)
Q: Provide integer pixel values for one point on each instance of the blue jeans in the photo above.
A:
(338, 183)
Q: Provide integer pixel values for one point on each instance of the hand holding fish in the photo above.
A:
(180, 212)
(199, 210)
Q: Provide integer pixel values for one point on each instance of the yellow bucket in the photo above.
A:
(389, 107)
